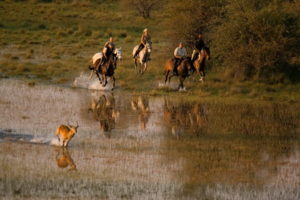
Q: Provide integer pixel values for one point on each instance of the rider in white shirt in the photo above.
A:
(179, 54)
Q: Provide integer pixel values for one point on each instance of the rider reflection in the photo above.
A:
(141, 106)
(105, 112)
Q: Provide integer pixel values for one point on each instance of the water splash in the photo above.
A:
(91, 83)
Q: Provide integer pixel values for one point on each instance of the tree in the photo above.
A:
(143, 7)
(193, 16)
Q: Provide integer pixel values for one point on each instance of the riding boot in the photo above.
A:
(102, 62)
(175, 68)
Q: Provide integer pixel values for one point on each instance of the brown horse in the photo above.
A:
(199, 62)
(106, 70)
(182, 70)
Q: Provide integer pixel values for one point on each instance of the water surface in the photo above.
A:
(143, 147)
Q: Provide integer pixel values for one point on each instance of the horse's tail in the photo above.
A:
(91, 67)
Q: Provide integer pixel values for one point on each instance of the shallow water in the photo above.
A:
(141, 147)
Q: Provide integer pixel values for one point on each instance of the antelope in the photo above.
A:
(65, 133)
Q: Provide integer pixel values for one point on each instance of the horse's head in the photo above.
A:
(207, 53)
(148, 47)
(118, 53)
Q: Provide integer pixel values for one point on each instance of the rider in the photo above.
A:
(146, 38)
(108, 50)
(198, 46)
(179, 54)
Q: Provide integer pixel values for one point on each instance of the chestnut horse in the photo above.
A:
(199, 62)
(182, 70)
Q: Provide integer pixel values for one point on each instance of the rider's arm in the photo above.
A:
(176, 54)
(142, 40)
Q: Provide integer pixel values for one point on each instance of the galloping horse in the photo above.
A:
(108, 68)
(143, 58)
(183, 70)
(199, 62)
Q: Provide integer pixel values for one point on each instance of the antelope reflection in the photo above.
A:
(141, 106)
(64, 159)
(183, 117)
(104, 109)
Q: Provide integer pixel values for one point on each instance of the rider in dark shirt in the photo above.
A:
(199, 45)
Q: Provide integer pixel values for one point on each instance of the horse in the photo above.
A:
(142, 58)
(199, 62)
(183, 70)
(107, 69)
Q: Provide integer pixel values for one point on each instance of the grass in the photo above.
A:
(53, 43)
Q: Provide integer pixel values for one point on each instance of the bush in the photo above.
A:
(256, 39)
(249, 39)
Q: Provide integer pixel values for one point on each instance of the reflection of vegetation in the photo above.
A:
(239, 143)
(64, 159)
(227, 161)
(239, 119)
(184, 117)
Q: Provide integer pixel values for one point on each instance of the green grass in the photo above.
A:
(53, 43)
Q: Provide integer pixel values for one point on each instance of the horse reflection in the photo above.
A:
(141, 106)
(185, 117)
(64, 159)
(104, 109)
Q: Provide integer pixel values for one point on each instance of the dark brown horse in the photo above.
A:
(199, 62)
(106, 70)
(182, 70)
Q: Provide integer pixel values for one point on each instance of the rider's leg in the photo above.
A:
(176, 62)
(138, 50)
(193, 54)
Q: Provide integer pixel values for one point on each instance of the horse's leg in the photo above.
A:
(140, 68)
(104, 81)
(181, 79)
(202, 75)
(91, 75)
(170, 76)
(199, 73)
(145, 68)
(99, 77)
(136, 65)
(166, 76)
(114, 81)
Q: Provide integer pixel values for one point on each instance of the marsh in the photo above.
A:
(158, 147)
